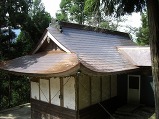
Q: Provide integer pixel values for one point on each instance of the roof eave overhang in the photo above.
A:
(88, 71)
(71, 71)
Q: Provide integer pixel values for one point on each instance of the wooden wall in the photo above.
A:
(96, 89)
(44, 110)
(59, 92)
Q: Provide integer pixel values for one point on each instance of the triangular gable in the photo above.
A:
(45, 38)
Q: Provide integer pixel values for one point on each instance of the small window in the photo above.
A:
(134, 82)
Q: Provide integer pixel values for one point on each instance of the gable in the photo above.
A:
(49, 43)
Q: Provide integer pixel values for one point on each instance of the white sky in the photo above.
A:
(52, 6)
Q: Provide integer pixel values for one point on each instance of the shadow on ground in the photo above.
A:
(19, 112)
(135, 112)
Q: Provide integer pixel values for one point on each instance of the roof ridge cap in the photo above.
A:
(91, 28)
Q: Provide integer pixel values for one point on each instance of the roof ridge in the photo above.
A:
(91, 28)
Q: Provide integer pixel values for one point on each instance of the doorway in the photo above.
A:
(133, 89)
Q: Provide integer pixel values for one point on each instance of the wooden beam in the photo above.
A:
(77, 94)
(41, 42)
(61, 92)
(58, 43)
(90, 90)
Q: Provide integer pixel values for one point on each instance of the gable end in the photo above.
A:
(44, 39)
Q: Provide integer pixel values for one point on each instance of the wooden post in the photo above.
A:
(77, 94)
(61, 92)
(101, 88)
(90, 90)
(9, 89)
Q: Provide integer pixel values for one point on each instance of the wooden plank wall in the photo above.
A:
(96, 89)
(56, 92)
(43, 110)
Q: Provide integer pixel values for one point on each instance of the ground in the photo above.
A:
(125, 112)
(19, 112)
(134, 112)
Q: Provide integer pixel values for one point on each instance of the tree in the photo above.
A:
(13, 13)
(72, 10)
(127, 7)
(143, 33)
(17, 11)
(32, 19)
(36, 22)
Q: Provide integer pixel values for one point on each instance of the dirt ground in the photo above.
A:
(24, 111)
(140, 112)
(19, 112)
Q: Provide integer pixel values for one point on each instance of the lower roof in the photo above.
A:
(138, 56)
(48, 64)
(43, 64)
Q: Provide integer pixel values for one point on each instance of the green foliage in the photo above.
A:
(14, 90)
(76, 11)
(37, 21)
(119, 7)
(17, 10)
(33, 20)
(143, 33)
(62, 16)
(72, 10)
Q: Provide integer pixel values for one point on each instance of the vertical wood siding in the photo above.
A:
(105, 88)
(84, 91)
(95, 89)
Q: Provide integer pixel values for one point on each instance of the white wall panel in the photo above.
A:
(44, 90)
(35, 90)
(55, 91)
(69, 92)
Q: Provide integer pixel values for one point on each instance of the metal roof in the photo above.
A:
(139, 56)
(43, 64)
(94, 49)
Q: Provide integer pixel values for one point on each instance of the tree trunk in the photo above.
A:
(153, 20)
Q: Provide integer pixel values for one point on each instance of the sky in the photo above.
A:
(51, 6)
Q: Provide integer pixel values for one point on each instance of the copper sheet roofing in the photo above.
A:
(96, 49)
(139, 56)
(93, 49)
(43, 64)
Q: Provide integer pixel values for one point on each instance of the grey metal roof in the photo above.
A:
(96, 50)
